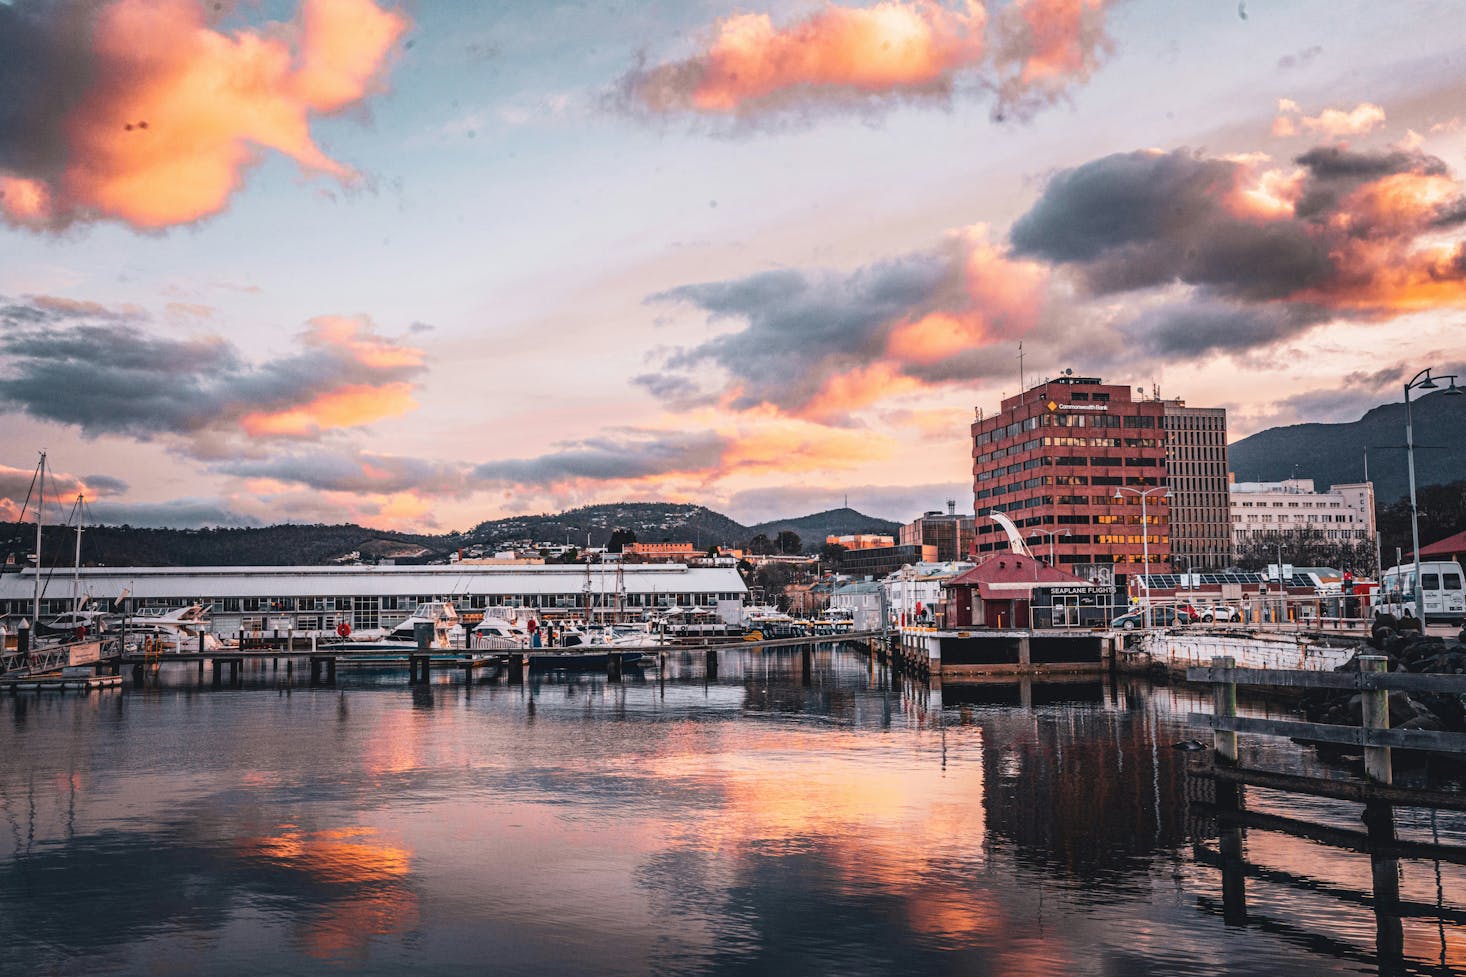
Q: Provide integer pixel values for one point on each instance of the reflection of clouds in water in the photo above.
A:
(101, 892)
(376, 902)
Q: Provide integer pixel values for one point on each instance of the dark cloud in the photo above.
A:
(1193, 329)
(356, 471)
(186, 513)
(105, 484)
(673, 389)
(801, 328)
(627, 454)
(1300, 59)
(45, 70)
(1142, 219)
(1340, 162)
(106, 374)
(1354, 243)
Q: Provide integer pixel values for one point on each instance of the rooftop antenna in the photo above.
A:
(1022, 385)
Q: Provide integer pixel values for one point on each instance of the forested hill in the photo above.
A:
(813, 529)
(315, 545)
(1333, 454)
(268, 546)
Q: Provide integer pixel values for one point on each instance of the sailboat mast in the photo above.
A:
(76, 567)
(40, 509)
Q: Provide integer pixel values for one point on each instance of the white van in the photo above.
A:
(1441, 588)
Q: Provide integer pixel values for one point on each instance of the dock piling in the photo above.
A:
(1224, 742)
(1376, 704)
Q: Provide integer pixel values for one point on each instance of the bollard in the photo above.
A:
(1376, 716)
(1224, 742)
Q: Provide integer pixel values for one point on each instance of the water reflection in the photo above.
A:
(761, 822)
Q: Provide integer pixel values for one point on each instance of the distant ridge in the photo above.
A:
(316, 545)
(1333, 454)
(813, 528)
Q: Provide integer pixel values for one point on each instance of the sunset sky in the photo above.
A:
(419, 265)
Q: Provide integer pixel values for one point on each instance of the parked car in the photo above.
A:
(1160, 617)
(1187, 611)
(1221, 612)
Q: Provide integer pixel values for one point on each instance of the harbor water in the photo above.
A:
(756, 822)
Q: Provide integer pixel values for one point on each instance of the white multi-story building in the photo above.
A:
(1261, 509)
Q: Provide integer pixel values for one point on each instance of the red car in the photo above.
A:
(1188, 613)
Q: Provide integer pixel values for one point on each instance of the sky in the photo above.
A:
(418, 265)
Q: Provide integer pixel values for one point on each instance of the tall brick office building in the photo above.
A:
(1052, 459)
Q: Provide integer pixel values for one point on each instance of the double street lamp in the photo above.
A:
(1421, 381)
(1120, 494)
(1050, 533)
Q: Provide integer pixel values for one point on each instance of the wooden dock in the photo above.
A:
(1222, 801)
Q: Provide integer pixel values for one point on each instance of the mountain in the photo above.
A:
(1332, 454)
(813, 529)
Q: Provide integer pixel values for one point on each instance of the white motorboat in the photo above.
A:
(439, 615)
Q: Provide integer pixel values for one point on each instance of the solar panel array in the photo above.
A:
(1176, 581)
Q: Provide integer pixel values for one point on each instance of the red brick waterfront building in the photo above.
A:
(1054, 457)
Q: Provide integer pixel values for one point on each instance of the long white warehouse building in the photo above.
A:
(319, 599)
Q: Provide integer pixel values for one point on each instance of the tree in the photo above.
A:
(773, 578)
(789, 543)
(760, 545)
(1306, 548)
(619, 539)
(832, 553)
(1442, 511)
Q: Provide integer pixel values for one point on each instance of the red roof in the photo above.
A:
(1011, 568)
(1449, 546)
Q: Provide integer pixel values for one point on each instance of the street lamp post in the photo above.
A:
(1050, 533)
(1144, 534)
(1421, 381)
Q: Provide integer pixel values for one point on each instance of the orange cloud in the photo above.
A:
(354, 335)
(1358, 121)
(26, 203)
(350, 406)
(848, 392)
(895, 46)
(177, 110)
(891, 45)
(1046, 45)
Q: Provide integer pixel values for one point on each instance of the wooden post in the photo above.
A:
(1224, 742)
(1376, 716)
(201, 670)
(711, 663)
(806, 664)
